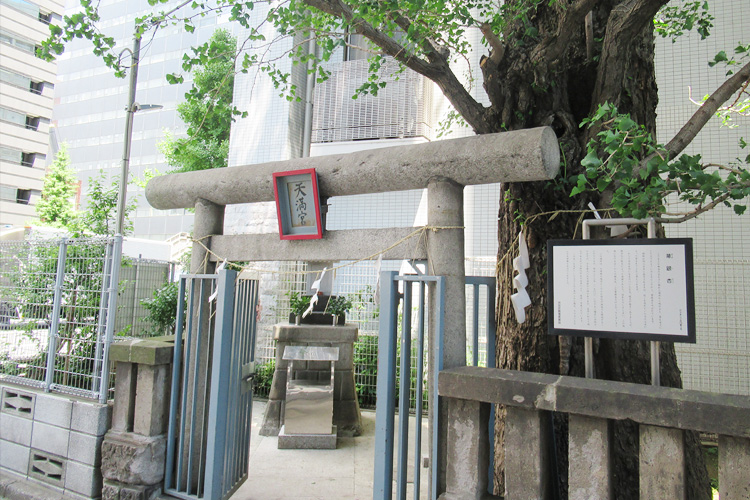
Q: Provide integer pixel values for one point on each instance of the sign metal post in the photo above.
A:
(588, 340)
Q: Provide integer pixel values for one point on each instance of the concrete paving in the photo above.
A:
(345, 473)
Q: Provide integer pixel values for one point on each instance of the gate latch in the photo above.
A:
(248, 371)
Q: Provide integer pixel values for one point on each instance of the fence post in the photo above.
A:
(55, 320)
(111, 315)
(386, 387)
(445, 248)
(102, 320)
(134, 316)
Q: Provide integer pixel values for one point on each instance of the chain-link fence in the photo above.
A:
(54, 302)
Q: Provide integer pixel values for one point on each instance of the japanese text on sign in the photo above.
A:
(300, 197)
(622, 289)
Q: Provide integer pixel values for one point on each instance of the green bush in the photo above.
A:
(338, 305)
(366, 369)
(263, 378)
(162, 309)
(298, 303)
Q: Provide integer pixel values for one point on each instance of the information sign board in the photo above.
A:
(628, 288)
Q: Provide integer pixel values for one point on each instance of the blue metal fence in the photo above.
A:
(386, 385)
(410, 334)
(209, 423)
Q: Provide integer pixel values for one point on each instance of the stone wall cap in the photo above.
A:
(315, 333)
(155, 351)
(646, 404)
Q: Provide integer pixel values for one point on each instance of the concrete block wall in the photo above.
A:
(53, 439)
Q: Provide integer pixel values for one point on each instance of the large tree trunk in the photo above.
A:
(525, 93)
(543, 69)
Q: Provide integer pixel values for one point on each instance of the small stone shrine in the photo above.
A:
(346, 413)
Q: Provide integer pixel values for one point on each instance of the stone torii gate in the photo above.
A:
(443, 167)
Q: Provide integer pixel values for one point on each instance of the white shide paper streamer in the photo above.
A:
(521, 299)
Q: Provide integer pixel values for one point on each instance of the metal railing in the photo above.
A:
(395, 380)
(55, 303)
(53, 309)
(210, 399)
(404, 371)
(139, 279)
(359, 282)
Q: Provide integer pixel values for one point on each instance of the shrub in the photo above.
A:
(162, 309)
(263, 378)
(366, 372)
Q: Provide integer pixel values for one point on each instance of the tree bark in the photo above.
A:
(560, 93)
(539, 72)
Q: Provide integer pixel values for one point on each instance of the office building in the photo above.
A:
(89, 114)
(27, 88)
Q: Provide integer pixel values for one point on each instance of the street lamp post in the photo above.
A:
(116, 253)
(129, 112)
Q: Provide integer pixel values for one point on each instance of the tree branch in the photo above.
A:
(498, 49)
(625, 22)
(436, 68)
(392, 48)
(554, 46)
(709, 108)
(695, 213)
(699, 119)
(434, 54)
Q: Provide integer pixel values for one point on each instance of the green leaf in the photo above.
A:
(626, 124)
(591, 160)
(720, 57)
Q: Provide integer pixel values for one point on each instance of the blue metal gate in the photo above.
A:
(410, 333)
(211, 403)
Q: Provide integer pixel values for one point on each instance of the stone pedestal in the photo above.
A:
(661, 462)
(133, 451)
(346, 414)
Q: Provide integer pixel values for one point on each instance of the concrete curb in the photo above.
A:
(14, 487)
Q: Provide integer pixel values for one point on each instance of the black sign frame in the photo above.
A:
(686, 243)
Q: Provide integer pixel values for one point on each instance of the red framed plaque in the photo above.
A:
(298, 204)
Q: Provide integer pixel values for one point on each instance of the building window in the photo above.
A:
(22, 6)
(19, 157)
(32, 123)
(356, 47)
(14, 117)
(27, 159)
(18, 42)
(11, 155)
(18, 195)
(21, 81)
(23, 196)
(8, 193)
(36, 87)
